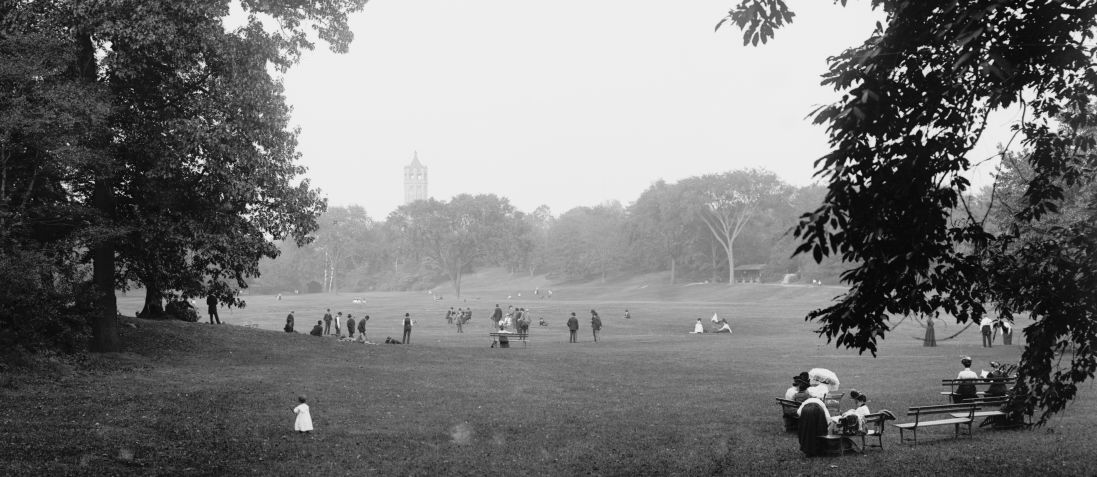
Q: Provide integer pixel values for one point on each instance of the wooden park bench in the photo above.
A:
(788, 413)
(954, 383)
(503, 340)
(962, 414)
(874, 428)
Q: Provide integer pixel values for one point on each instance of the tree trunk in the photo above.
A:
(104, 323)
(731, 265)
(154, 302)
(457, 282)
(673, 270)
(715, 269)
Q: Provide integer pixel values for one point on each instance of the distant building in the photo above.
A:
(415, 180)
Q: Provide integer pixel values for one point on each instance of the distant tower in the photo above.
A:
(415, 180)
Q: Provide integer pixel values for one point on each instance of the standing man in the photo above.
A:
(327, 322)
(362, 328)
(573, 327)
(497, 315)
(595, 324)
(350, 325)
(338, 318)
(212, 302)
(289, 322)
(460, 323)
(407, 328)
(986, 325)
(449, 316)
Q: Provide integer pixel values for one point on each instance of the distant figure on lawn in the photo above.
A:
(1007, 331)
(350, 325)
(931, 335)
(496, 315)
(407, 328)
(317, 330)
(595, 324)
(965, 391)
(362, 329)
(522, 324)
(449, 316)
(698, 328)
(627, 315)
(986, 327)
(336, 321)
(722, 325)
(289, 322)
(211, 301)
(573, 327)
(303, 423)
(460, 321)
(327, 322)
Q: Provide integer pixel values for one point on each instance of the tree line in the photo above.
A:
(697, 229)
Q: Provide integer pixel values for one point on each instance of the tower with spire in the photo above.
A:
(415, 180)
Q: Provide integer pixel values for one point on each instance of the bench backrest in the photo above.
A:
(916, 411)
(957, 382)
(788, 403)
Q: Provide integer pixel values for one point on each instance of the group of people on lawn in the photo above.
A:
(333, 325)
(813, 418)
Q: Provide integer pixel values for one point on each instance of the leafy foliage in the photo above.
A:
(916, 95)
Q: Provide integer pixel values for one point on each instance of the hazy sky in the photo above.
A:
(564, 103)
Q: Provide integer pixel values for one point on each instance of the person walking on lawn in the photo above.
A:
(327, 322)
(573, 327)
(595, 324)
(350, 325)
(407, 328)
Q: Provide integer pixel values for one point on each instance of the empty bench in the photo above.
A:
(503, 340)
(962, 414)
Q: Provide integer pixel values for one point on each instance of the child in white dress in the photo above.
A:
(304, 420)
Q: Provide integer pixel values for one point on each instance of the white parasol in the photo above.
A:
(824, 376)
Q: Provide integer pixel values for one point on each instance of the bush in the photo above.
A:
(182, 310)
(38, 304)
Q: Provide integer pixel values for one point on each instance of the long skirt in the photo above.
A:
(1007, 337)
(813, 423)
(931, 337)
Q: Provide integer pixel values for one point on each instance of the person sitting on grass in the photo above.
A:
(966, 390)
(698, 328)
(722, 325)
(317, 330)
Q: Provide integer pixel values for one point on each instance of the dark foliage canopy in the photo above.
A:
(917, 94)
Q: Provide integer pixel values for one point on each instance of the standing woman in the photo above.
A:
(931, 336)
(407, 328)
(595, 324)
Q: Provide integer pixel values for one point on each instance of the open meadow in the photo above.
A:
(647, 399)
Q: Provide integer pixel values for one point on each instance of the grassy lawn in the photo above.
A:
(647, 399)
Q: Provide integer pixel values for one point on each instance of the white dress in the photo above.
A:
(304, 420)
(698, 328)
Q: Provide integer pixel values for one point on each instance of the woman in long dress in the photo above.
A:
(814, 422)
(931, 336)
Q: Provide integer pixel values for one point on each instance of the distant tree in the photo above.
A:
(659, 221)
(726, 203)
(915, 100)
(453, 235)
(343, 241)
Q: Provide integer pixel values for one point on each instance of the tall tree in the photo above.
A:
(727, 202)
(193, 170)
(454, 235)
(660, 221)
(915, 100)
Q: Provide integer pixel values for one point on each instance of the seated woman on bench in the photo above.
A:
(965, 391)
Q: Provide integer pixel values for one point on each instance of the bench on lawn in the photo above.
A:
(503, 340)
(954, 383)
(788, 413)
(962, 414)
(874, 428)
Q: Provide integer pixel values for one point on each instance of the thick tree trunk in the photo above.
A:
(673, 270)
(154, 302)
(104, 323)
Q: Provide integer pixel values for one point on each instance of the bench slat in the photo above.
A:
(939, 422)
